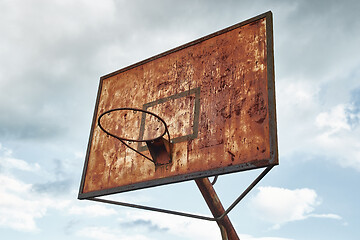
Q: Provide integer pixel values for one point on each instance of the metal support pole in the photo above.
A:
(212, 200)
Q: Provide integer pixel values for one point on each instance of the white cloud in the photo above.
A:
(297, 104)
(19, 208)
(285, 205)
(21, 202)
(335, 120)
(298, 92)
(8, 162)
(105, 233)
(186, 228)
(18, 164)
(91, 210)
(178, 227)
(279, 205)
(306, 121)
(338, 137)
(329, 215)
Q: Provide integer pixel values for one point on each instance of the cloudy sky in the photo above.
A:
(52, 54)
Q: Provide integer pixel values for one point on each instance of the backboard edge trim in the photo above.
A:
(177, 179)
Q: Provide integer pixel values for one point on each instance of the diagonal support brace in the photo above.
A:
(212, 200)
(246, 191)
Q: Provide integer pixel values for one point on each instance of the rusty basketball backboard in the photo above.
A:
(217, 97)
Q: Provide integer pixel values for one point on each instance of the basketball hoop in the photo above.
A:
(159, 147)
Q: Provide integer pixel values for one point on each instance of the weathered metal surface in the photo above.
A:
(216, 95)
(212, 200)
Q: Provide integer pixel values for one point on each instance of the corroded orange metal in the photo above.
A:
(216, 95)
(216, 208)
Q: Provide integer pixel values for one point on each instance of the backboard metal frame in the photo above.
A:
(273, 160)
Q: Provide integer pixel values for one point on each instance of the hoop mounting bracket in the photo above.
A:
(160, 151)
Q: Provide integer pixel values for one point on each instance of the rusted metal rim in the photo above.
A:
(166, 131)
(122, 140)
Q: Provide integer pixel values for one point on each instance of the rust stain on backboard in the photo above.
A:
(216, 95)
